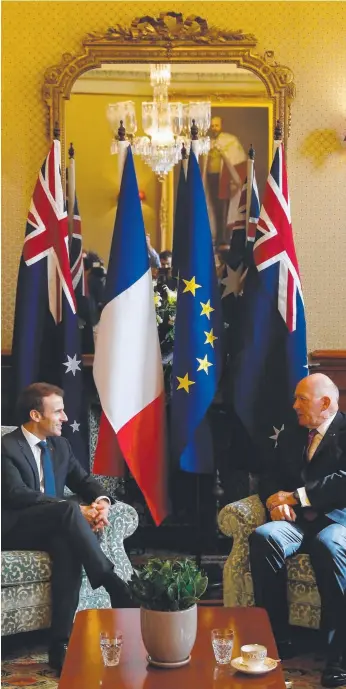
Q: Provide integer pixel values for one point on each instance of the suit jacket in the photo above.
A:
(324, 477)
(20, 479)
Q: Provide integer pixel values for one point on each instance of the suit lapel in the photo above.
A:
(25, 448)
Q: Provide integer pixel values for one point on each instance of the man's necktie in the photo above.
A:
(47, 466)
(309, 448)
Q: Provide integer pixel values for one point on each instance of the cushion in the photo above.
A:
(24, 567)
(25, 596)
(299, 568)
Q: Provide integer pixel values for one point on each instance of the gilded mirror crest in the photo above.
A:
(168, 38)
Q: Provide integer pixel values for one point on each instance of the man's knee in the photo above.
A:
(329, 545)
(258, 539)
(66, 510)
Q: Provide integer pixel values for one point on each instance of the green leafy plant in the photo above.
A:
(168, 585)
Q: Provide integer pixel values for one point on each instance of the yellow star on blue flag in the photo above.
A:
(197, 334)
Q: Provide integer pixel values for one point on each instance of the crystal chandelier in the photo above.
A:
(166, 124)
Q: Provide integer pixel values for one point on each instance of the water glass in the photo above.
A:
(222, 641)
(111, 643)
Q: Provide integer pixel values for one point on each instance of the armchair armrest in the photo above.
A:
(239, 519)
(123, 522)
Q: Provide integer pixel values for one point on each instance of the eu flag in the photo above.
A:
(273, 355)
(196, 355)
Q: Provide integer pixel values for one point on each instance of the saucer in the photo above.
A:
(159, 663)
(268, 665)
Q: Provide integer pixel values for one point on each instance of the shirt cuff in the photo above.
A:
(304, 500)
(103, 497)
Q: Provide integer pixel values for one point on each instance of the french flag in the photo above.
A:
(128, 370)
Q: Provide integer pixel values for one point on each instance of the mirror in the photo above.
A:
(248, 93)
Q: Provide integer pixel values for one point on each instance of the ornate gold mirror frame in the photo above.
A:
(169, 38)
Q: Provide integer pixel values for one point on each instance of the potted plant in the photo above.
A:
(167, 591)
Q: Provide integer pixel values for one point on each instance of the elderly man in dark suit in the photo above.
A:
(36, 465)
(305, 495)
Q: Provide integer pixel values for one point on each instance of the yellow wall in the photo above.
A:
(309, 37)
(97, 172)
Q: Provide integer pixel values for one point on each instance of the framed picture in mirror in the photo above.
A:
(236, 125)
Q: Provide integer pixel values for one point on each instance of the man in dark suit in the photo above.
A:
(36, 465)
(305, 495)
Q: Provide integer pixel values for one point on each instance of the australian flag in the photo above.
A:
(196, 355)
(272, 356)
(46, 343)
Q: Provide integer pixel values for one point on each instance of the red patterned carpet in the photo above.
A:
(29, 668)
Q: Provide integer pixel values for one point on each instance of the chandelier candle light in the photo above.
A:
(166, 125)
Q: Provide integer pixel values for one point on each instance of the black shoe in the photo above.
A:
(56, 657)
(119, 592)
(333, 676)
(286, 649)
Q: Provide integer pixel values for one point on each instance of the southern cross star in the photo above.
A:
(75, 426)
(72, 364)
(277, 432)
(232, 281)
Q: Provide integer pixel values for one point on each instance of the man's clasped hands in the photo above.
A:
(96, 514)
(280, 506)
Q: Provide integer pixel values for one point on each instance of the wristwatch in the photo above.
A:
(296, 496)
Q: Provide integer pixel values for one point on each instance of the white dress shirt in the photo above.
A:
(33, 441)
(321, 431)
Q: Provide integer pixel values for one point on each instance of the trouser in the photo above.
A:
(325, 542)
(60, 529)
(220, 207)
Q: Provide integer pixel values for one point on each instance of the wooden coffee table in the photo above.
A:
(83, 668)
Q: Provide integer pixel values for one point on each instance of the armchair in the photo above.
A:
(238, 520)
(25, 575)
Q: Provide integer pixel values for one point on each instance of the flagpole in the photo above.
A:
(250, 172)
(122, 146)
(184, 159)
(277, 136)
(71, 189)
(194, 139)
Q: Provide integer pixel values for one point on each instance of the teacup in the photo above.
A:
(253, 655)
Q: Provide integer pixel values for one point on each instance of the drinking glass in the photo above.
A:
(222, 641)
(111, 643)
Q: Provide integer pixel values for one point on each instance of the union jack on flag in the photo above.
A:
(47, 233)
(275, 245)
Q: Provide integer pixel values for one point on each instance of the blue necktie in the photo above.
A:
(47, 466)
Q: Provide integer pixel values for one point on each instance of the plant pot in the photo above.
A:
(169, 636)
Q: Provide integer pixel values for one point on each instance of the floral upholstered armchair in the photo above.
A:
(25, 575)
(238, 520)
